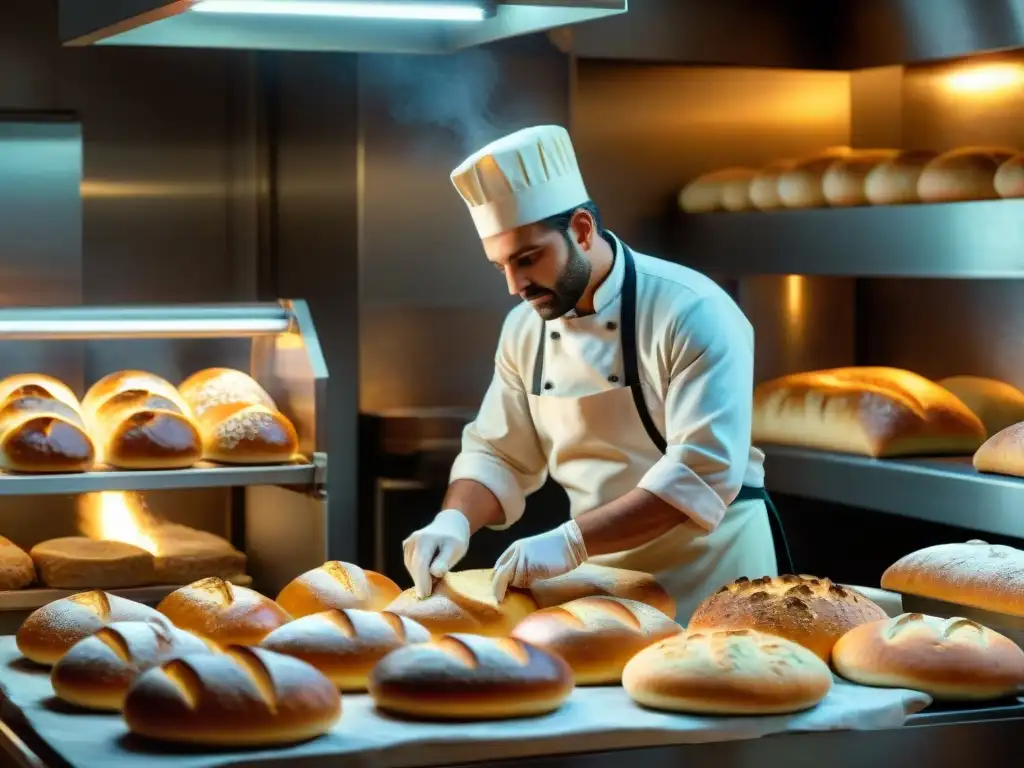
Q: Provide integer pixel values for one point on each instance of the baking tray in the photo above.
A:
(1004, 623)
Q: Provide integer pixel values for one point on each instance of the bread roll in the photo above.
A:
(337, 585)
(245, 697)
(727, 672)
(37, 385)
(211, 387)
(468, 677)
(949, 659)
(222, 612)
(1009, 180)
(184, 555)
(845, 181)
(77, 562)
(976, 574)
(870, 411)
(811, 612)
(137, 429)
(802, 184)
(16, 567)
(764, 186)
(120, 382)
(50, 631)
(345, 644)
(463, 601)
(42, 434)
(894, 181)
(1003, 453)
(96, 672)
(596, 635)
(967, 173)
(996, 403)
(590, 580)
(726, 189)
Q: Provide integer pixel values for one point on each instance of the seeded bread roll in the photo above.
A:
(97, 671)
(812, 612)
(966, 173)
(894, 181)
(727, 672)
(1009, 181)
(596, 635)
(16, 567)
(345, 644)
(51, 630)
(1003, 453)
(222, 612)
(952, 659)
(726, 189)
(78, 562)
(337, 585)
(42, 434)
(244, 697)
(591, 580)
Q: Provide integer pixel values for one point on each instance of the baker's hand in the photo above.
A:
(432, 551)
(539, 557)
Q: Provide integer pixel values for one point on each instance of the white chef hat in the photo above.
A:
(521, 179)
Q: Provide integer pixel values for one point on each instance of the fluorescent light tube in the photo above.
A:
(352, 10)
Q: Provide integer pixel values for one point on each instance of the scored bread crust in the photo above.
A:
(220, 611)
(337, 585)
(144, 429)
(41, 434)
(590, 580)
(78, 562)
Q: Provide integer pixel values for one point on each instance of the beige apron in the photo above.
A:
(601, 445)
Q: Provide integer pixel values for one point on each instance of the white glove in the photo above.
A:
(431, 552)
(539, 557)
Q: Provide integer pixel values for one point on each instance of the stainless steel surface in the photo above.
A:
(1004, 623)
(287, 532)
(30, 599)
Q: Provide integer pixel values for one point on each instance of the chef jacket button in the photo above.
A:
(611, 326)
(556, 335)
(613, 378)
(548, 385)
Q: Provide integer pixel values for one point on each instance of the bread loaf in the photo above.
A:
(967, 173)
(1003, 453)
(184, 555)
(764, 186)
(345, 644)
(468, 677)
(952, 659)
(590, 580)
(1009, 180)
(37, 385)
(596, 635)
(41, 434)
(16, 568)
(802, 184)
(996, 403)
(245, 697)
(976, 574)
(77, 562)
(726, 189)
(894, 181)
(845, 181)
(811, 612)
(222, 612)
(50, 631)
(727, 672)
(870, 411)
(96, 672)
(337, 585)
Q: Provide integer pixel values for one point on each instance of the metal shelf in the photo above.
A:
(30, 599)
(979, 240)
(940, 490)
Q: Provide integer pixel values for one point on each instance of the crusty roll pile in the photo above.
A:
(42, 428)
(871, 411)
(345, 644)
(952, 659)
(1003, 453)
(16, 567)
(78, 562)
(222, 612)
(238, 420)
(811, 612)
(596, 635)
(727, 672)
(468, 677)
(590, 580)
(337, 585)
(965, 173)
(244, 697)
(998, 404)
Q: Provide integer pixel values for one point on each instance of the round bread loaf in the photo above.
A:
(949, 659)
(967, 173)
(1009, 181)
(244, 697)
(845, 181)
(184, 555)
(42, 434)
(727, 672)
(78, 562)
(51, 630)
(996, 403)
(37, 385)
(468, 677)
(802, 184)
(812, 612)
(16, 568)
(345, 644)
(236, 433)
(337, 585)
(97, 670)
(222, 612)
(591, 580)
(463, 602)
(139, 429)
(596, 635)
(1003, 453)
(894, 180)
(764, 186)
(725, 189)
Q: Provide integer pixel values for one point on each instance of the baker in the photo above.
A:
(626, 379)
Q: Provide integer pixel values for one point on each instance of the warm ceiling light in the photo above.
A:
(350, 10)
(987, 78)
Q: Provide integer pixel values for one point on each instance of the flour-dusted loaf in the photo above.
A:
(726, 189)
(812, 612)
(764, 186)
(974, 573)
(802, 184)
(995, 402)
(894, 181)
(220, 611)
(1009, 180)
(727, 672)
(337, 585)
(950, 659)
(78, 562)
(345, 644)
(40, 434)
(845, 181)
(244, 697)
(48, 632)
(871, 411)
(185, 555)
(965, 173)
(596, 635)
(97, 670)
(463, 602)
(16, 567)
(469, 677)
(591, 580)
(1003, 453)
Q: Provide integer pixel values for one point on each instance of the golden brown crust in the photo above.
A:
(725, 189)
(222, 612)
(965, 173)
(337, 585)
(894, 181)
(345, 644)
(78, 562)
(16, 567)
(596, 635)
(469, 677)
(1003, 453)
(1009, 181)
(211, 387)
(952, 659)
(37, 385)
(42, 434)
(844, 183)
(802, 184)
(590, 580)
(138, 429)
(185, 555)
(243, 697)
(812, 612)
(998, 404)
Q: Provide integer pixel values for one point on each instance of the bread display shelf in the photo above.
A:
(36, 597)
(980, 240)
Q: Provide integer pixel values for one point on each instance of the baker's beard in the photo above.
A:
(569, 288)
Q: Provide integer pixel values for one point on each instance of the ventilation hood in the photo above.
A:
(365, 26)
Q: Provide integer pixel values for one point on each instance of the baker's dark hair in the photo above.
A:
(561, 222)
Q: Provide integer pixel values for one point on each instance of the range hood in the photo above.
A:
(365, 26)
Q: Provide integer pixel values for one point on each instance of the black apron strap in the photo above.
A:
(783, 557)
(538, 363)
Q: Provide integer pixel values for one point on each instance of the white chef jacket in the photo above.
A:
(695, 351)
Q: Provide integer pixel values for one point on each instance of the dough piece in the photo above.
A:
(845, 181)
(967, 173)
(337, 585)
(894, 181)
(802, 184)
(591, 580)
(764, 187)
(222, 612)
(77, 562)
(996, 403)
(726, 189)
(1009, 181)
(17, 570)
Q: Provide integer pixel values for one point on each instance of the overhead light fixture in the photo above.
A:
(351, 10)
